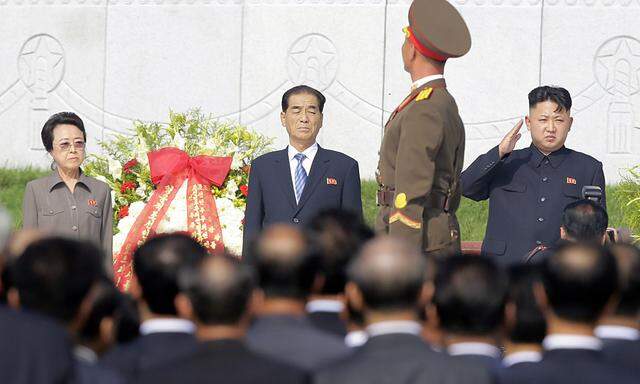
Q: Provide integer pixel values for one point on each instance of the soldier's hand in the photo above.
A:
(509, 141)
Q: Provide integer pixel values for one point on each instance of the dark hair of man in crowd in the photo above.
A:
(339, 234)
(67, 118)
(286, 262)
(558, 95)
(390, 274)
(530, 325)
(628, 261)
(104, 304)
(54, 275)
(156, 264)
(126, 320)
(585, 221)
(579, 279)
(470, 295)
(219, 290)
(300, 89)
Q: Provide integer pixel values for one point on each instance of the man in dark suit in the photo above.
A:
(470, 294)
(339, 235)
(217, 296)
(528, 188)
(293, 184)
(164, 335)
(578, 282)
(524, 322)
(56, 277)
(620, 330)
(387, 283)
(287, 268)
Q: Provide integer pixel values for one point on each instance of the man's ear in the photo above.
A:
(541, 297)
(426, 294)
(318, 284)
(134, 288)
(563, 233)
(13, 298)
(510, 315)
(527, 121)
(282, 118)
(570, 123)
(354, 296)
(184, 307)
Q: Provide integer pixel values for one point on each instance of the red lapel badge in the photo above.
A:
(332, 181)
(92, 203)
(571, 180)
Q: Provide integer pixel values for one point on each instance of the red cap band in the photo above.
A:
(423, 49)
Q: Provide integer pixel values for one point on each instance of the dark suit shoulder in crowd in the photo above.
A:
(33, 349)
(488, 363)
(328, 322)
(295, 341)
(400, 358)
(568, 366)
(539, 186)
(224, 361)
(148, 351)
(623, 353)
(88, 373)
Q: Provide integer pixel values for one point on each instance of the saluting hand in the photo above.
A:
(509, 141)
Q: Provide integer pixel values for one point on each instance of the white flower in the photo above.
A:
(118, 241)
(175, 219)
(142, 190)
(237, 163)
(135, 209)
(179, 141)
(113, 198)
(102, 178)
(115, 168)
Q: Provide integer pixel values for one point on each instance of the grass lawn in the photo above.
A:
(472, 215)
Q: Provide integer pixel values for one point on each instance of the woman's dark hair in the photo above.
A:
(58, 119)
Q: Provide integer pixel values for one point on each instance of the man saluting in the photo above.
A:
(528, 188)
(422, 149)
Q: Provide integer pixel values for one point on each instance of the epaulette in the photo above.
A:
(424, 94)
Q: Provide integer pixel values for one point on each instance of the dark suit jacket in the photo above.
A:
(33, 349)
(333, 182)
(148, 352)
(490, 364)
(623, 353)
(328, 322)
(562, 366)
(399, 359)
(527, 195)
(224, 361)
(91, 373)
(295, 341)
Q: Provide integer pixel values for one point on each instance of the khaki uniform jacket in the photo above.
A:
(85, 214)
(421, 158)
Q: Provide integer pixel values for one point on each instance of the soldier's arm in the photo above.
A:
(420, 139)
(476, 179)
(598, 180)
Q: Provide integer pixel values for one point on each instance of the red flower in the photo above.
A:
(126, 168)
(127, 185)
(245, 190)
(124, 212)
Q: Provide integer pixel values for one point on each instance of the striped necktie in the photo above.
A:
(301, 176)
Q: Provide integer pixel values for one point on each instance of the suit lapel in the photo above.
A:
(283, 172)
(318, 169)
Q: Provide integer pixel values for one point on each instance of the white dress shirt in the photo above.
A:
(420, 82)
(521, 357)
(174, 325)
(472, 348)
(310, 154)
(356, 339)
(617, 332)
(335, 306)
(398, 326)
(569, 341)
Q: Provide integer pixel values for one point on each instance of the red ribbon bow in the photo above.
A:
(170, 167)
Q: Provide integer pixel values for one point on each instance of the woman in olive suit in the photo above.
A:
(67, 202)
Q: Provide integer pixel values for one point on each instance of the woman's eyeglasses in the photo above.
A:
(66, 146)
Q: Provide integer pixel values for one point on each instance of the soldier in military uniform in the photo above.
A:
(422, 149)
(529, 188)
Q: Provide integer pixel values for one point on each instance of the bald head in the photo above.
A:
(219, 290)
(285, 261)
(389, 273)
(579, 280)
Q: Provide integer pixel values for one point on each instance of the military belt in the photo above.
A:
(385, 196)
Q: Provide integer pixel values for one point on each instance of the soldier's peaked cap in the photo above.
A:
(439, 29)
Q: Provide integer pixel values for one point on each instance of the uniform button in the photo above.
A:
(296, 220)
(543, 199)
(73, 207)
(51, 212)
(538, 242)
(544, 179)
(75, 228)
(541, 219)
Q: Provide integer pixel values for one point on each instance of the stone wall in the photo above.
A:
(120, 60)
